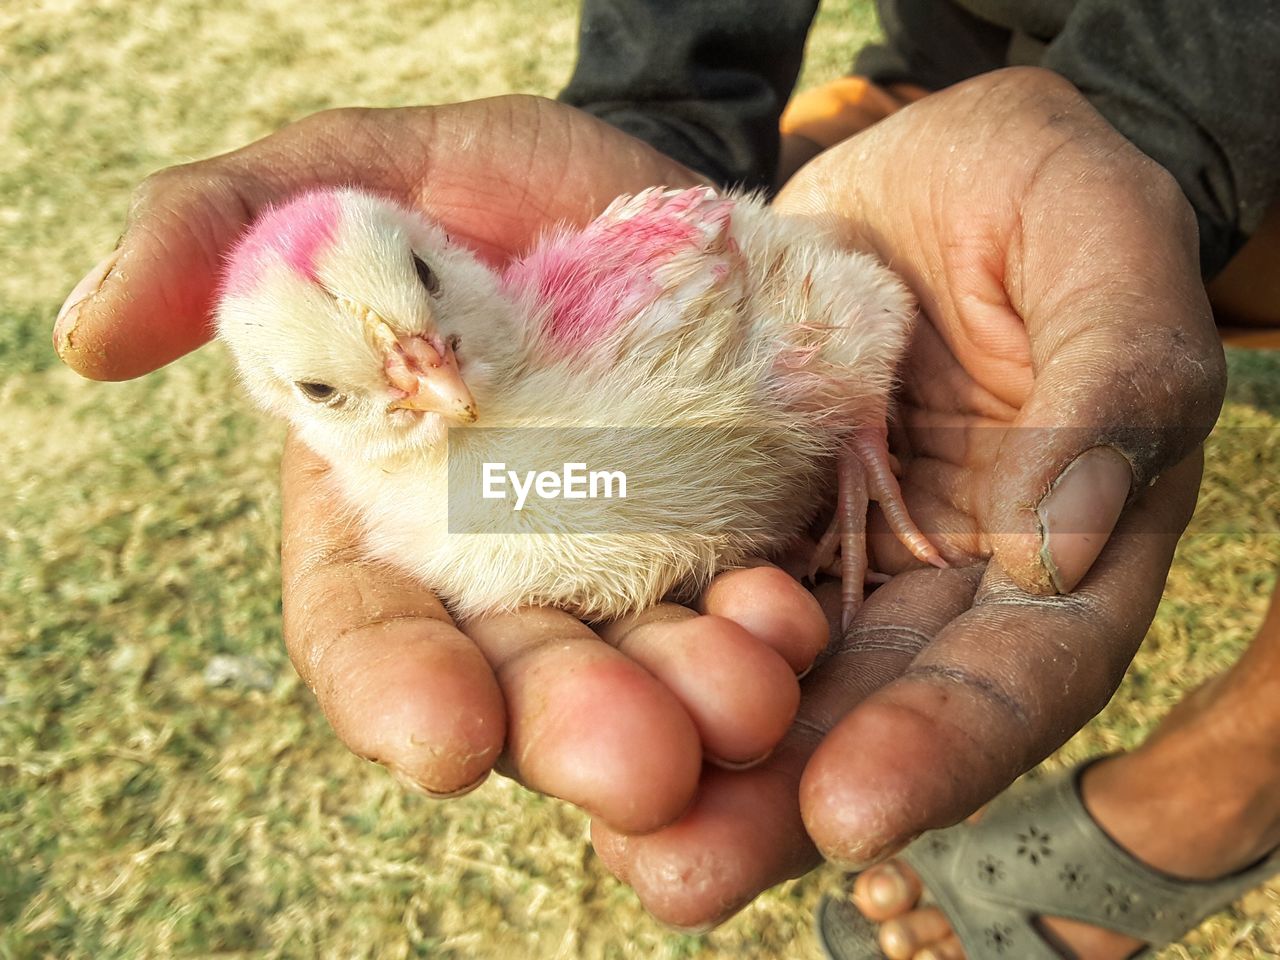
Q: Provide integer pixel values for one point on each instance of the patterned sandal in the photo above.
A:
(1037, 852)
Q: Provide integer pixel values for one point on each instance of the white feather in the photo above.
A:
(766, 345)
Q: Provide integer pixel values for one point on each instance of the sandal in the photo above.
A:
(1037, 852)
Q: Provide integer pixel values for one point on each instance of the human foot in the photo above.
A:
(1215, 824)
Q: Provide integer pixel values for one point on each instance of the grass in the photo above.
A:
(145, 815)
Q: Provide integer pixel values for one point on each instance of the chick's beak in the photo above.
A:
(425, 371)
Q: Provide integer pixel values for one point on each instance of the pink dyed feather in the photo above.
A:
(296, 233)
(598, 276)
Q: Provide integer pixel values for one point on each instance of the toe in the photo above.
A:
(886, 891)
(902, 938)
(946, 949)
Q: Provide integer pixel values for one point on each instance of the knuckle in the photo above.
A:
(1163, 189)
(881, 638)
(333, 117)
(988, 687)
(332, 130)
(156, 187)
(1163, 196)
(183, 194)
(1187, 377)
(1039, 81)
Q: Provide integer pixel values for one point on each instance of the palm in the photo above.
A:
(1059, 294)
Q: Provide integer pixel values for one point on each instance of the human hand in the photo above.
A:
(620, 728)
(1063, 322)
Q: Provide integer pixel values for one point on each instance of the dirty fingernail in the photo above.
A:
(1080, 511)
(417, 786)
(69, 312)
(857, 864)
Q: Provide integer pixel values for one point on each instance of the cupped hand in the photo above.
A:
(1064, 372)
(621, 727)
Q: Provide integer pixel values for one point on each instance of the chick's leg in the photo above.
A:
(864, 472)
(826, 552)
(871, 450)
(851, 521)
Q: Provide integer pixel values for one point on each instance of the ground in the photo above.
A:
(143, 814)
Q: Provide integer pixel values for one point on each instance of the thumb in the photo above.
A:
(149, 301)
(1128, 372)
(495, 172)
(1110, 410)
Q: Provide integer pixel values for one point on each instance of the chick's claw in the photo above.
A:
(851, 512)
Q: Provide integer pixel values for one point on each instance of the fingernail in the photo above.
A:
(1080, 511)
(888, 888)
(739, 764)
(843, 861)
(417, 786)
(69, 313)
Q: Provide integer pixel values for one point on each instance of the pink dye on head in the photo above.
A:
(295, 233)
(596, 277)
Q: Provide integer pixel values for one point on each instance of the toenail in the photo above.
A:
(928, 953)
(888, 888)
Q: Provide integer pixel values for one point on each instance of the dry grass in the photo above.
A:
(142, 814)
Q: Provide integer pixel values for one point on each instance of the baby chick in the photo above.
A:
(716, 353)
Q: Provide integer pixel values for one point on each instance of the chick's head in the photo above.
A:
(362, 323)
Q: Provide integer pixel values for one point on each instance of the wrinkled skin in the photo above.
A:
(1057, 272)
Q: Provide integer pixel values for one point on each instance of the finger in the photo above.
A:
(774, 607)
(1129, 370)
(727, 667)
(743, 833)
(740, 693)
(901, 619)
(396, 679)
(588, 724)
(495, 172)
(155, 303)
(997, 690)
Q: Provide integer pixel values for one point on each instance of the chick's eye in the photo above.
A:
(430, 282)
(319, 392)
